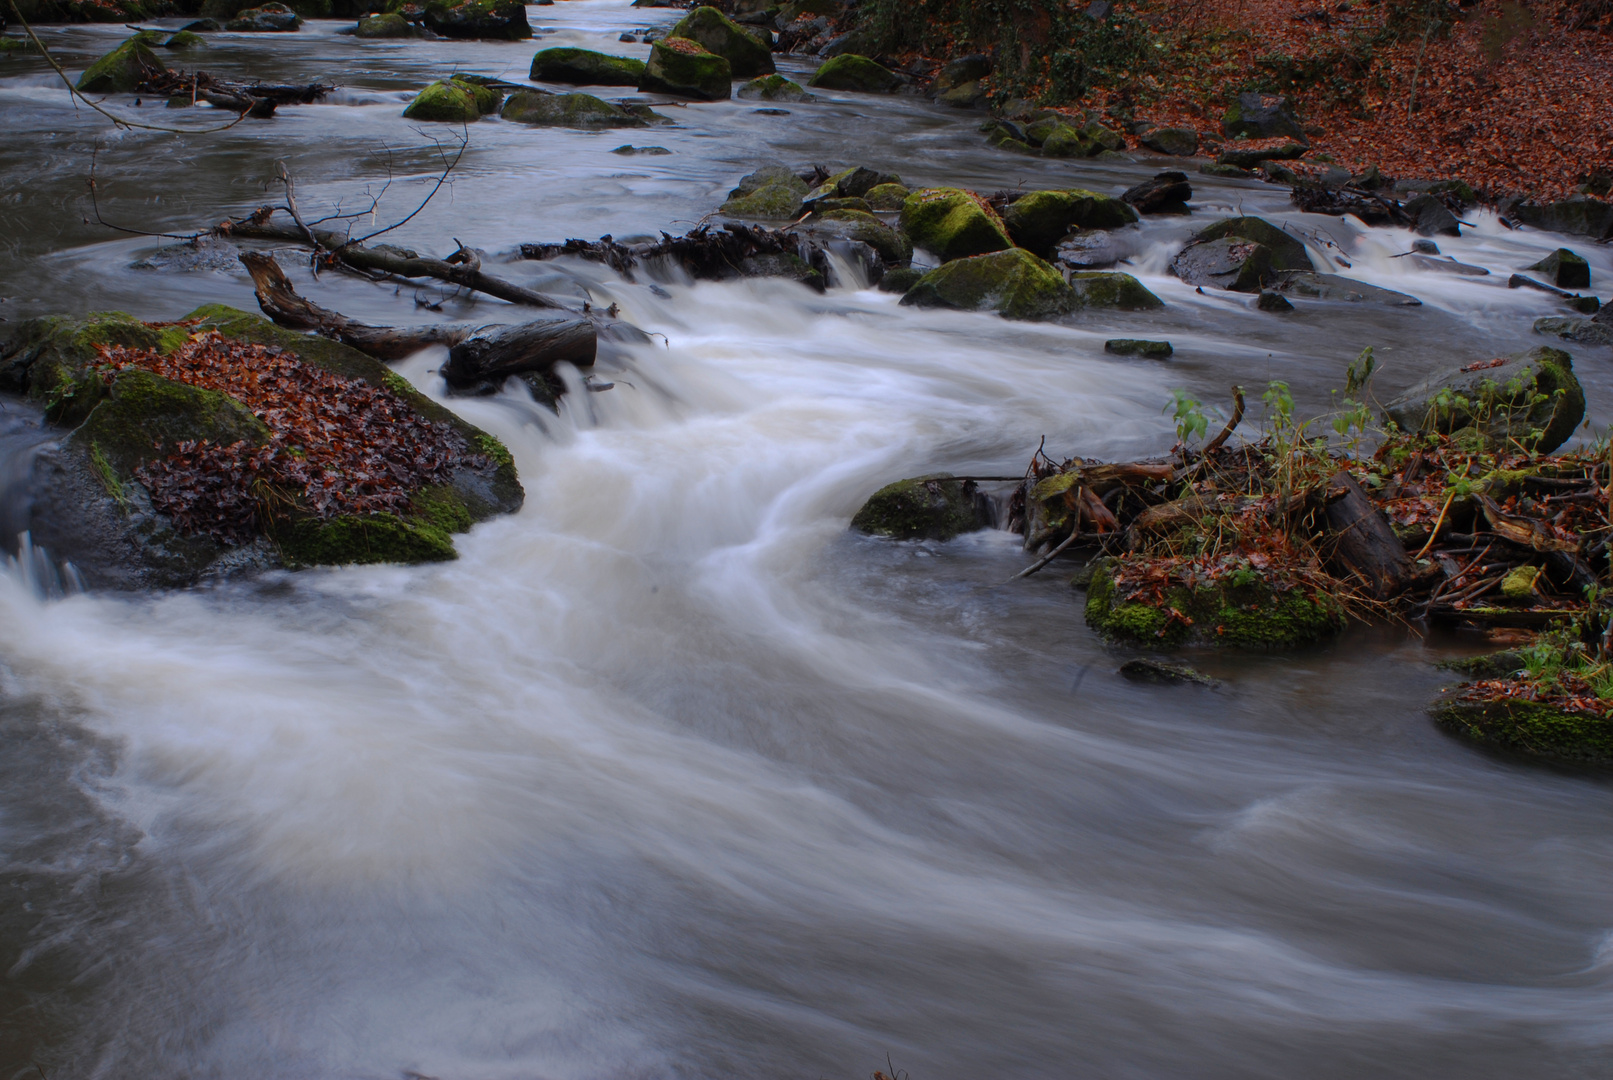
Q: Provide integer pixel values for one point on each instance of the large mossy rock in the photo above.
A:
(1039, 220)
(1565, 269)
(1013, 283)
(1228, 263)
(1243, 611)
(122, 70)
(454, 102)
(91, 509)
(385, 25)
(1530, 727)
(686, 68)
(952, 224)
(1261, 116)
(857, 74)
(1176, 142)
(266, 19)
(566, 110)
(934, 507)
(747, 55)
(1578, 215)
(893, 247)
(1112, 289)
(1532, 399)
(1287, 251)
(771, 192)
(773, 88)
(497, 20)
(584, 67)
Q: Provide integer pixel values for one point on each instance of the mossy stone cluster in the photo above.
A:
(566, 110)
(773, 88)
(1013, 283)
(1053, 134)
(1532, 398)
(585, 67)
(685, 68)
(858, 74)
(1039, 220)
(772, 192)
(894, 248)
(1242, 610)
(125, 419)
(747, 55)
(123, 69)
(454, 101)
(935, 507)
(952, 224)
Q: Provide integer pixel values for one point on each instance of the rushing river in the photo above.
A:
(670, 775)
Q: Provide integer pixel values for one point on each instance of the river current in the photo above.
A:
(669, 775)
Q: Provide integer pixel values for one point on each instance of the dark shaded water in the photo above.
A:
(670, 775)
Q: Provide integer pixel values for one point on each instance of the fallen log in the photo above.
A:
(480, 357)
(466, 274)
(1362, 543)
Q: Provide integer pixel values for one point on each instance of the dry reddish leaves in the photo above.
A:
(336, 446)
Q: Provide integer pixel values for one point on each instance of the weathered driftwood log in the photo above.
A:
(482, 361)
(480, 357)
(467, 274)
(1362, 543)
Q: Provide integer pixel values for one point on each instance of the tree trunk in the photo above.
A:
(481, 362)
(1363, 543)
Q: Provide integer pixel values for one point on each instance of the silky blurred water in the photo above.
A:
(669, 775)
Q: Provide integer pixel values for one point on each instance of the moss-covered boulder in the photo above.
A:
(1065, 141)
(953, 224)
(584, 67)
(122, 70)
(497, 20)
(453, 102)
(386, 25)
(900, 279)
(269, 18)
(1014, 283)
(747, 55)
(858, 74)
(686, 68)
(773, 88)
(775, 197)
(1287, 251)
(1530, 727)
(887, 196)
(94, 509)
(935, 507)
(894, 248)
(1174, 141)
(1152, 350)
(1532, 399)
(1261, 116)
(1241, 609)
(1112, 289)
(184, 39)
(566, 110)
(1039, 220)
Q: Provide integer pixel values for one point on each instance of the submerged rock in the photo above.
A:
(848, 71)
(952, 224)
(1530, 727)
(566, 110)
(1335, 287)
(746, 54)
(1565, 269)
(93, 507)
(1111, 289)
(1163, 673)
(1153, 350)
(1531, 398)
(685, 68)
(1577, 329)
(122, 70)
(773, 88)
(1013, 283)
(1228, 263)
(1039, 220)
(584, 67)
(935, 507)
